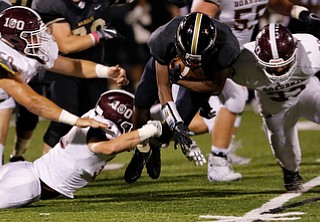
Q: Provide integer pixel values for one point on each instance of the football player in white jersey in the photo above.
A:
(79, 156)
(27, 47)
(282, 72)
(241, 17)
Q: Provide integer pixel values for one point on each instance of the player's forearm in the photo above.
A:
(79, 68)
(70, 41)
(128, 140)
(43, 107)
(117, 145)
(163, 84)
(36, 103)
(75, 44)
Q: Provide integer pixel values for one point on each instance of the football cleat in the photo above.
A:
(135, 167)
(153, 164)
(220, 169)
(292, 180)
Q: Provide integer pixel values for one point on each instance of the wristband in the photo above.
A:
(102, 71)
(94, 38)
(296, 10)
(171, 114)
(147, 131)
(68, 118)
(185, 71)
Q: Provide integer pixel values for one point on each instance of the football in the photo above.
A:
(186, 73)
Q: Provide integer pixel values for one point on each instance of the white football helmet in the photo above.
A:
(23, 30)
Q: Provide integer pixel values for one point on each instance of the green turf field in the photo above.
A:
(183, 193)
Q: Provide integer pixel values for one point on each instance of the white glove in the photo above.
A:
(158, 126)
(194, 154)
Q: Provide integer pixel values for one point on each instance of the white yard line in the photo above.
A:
(260, 213)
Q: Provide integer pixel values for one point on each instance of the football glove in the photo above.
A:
(181, 137)
(312, 22)
(309, 17)
(194, 154)
(174, 121)
(109, 33)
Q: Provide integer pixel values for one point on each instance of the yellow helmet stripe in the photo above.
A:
(196, 33)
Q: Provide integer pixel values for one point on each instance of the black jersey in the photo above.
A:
(4, 5)
(82, 21)
(162, 46)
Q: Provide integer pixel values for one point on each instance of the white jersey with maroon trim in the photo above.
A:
(241, 16)
(272, 96)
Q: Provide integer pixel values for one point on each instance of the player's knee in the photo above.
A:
(237, 103)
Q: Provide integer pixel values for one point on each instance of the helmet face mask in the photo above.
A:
(192, 61)
(195, 38)
(23, 30)
(38, 43)
(276, 52)
(115, 107)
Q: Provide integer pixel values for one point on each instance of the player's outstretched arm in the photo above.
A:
(128, 140)
(87, 69)
(42, 106)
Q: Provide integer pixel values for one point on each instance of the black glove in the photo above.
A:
(206, 111)
(181, 137)
(309, 17)
(174, 73)
(109, 33)
(312, 22)
(179, 3)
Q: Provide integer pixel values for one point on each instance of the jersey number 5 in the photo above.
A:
(241, 23)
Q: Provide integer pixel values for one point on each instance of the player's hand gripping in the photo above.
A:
(158, 126)
(118, 74)
(175, 71)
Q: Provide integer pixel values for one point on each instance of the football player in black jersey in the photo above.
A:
(207, 48)
(80, 29)
(4, 4)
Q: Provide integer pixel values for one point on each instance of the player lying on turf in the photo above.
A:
(79, 156)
